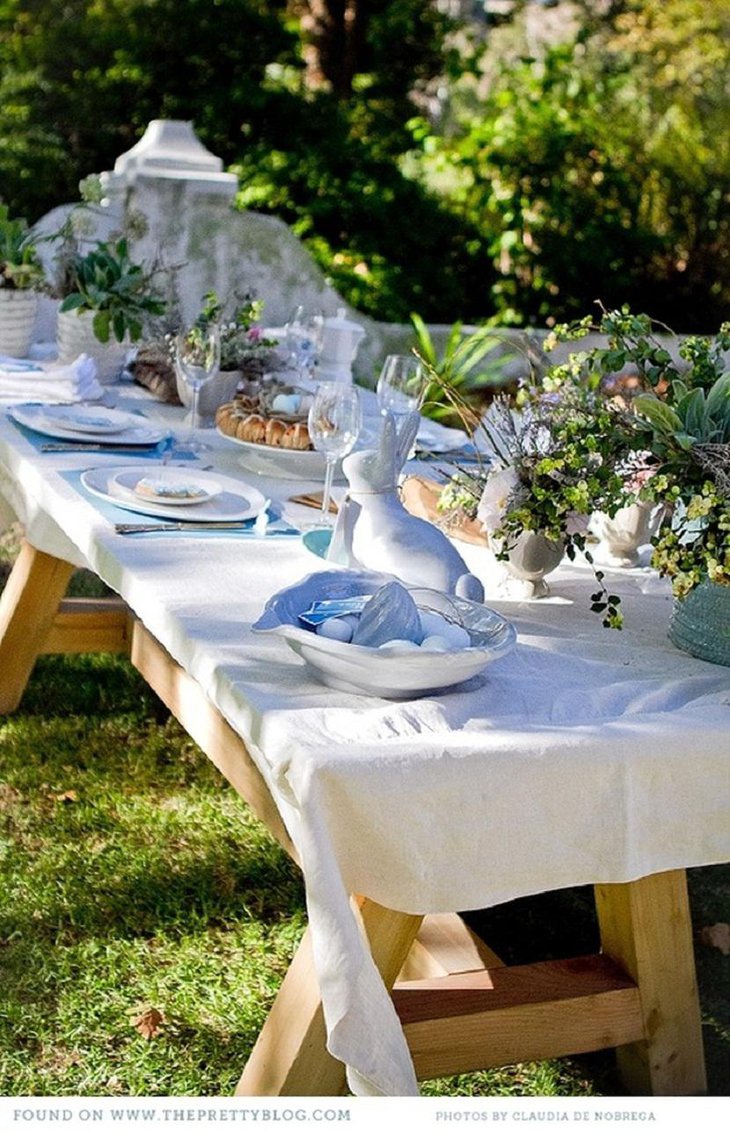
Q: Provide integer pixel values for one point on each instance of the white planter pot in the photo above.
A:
(530, 559)
(218, 391)
(17, 318)
(621, 538)
(75, 336)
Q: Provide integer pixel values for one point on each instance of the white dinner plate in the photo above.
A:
(82, 418)
(115, 426)
(167, 487)
(284, 463)
(236, 500)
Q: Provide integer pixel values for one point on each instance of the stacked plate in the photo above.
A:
(93, 424)
(175, 493)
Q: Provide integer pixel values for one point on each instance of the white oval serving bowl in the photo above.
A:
(390, 673)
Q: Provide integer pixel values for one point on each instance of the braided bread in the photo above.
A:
(237, 420)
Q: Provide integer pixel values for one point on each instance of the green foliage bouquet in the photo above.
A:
(554, 461)
(115, 290)
(20, 266)
(244, 346)
(676, 417)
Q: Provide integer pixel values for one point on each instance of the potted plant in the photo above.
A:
(106, 303)
(687, 431)
(643, 417)
(552, 462)
(246, 353)
(21, 279)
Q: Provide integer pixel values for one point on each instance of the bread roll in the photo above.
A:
(275, 431)
(297, 436)
(252, 428)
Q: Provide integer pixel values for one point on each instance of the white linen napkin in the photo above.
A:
(48, 383)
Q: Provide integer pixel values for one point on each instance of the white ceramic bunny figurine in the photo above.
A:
(375, 531)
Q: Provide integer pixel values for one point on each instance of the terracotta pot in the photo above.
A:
(17, 319)
(75, 336)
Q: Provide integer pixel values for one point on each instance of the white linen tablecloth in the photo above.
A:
(585, 756)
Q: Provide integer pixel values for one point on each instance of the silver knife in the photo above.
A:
(214, 525)
(84, 446)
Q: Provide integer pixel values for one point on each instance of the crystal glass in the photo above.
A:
(197, 360)
(304, 339)
(401, 384)
(334, 422)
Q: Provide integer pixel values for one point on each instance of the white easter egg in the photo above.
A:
(399, 645)
(436, 643)
(286, 403)
(434, 625)
(336, 629)
(431, 623)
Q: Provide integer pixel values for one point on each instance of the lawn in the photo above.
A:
(146, 919)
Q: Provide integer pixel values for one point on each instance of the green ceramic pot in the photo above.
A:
(700, 623)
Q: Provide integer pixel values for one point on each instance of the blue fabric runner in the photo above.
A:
(144, 451)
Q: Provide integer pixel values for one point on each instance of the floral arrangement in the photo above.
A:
(675, 397)
(643, 417)
(244, 345)
(553, 463)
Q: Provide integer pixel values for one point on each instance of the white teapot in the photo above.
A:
(340, 341)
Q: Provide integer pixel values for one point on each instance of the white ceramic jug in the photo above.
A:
(340, 342)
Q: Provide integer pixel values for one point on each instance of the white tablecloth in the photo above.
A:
(585, 756)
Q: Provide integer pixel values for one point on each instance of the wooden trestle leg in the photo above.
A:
(28, 607)
(645, 926)
(290, 1057)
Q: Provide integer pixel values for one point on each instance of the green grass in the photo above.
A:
(132, 877)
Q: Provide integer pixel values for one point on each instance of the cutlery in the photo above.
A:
(460, 455)
(214, 525)
(86, 446)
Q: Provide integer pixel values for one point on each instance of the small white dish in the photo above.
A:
(79, 418)
(132, 429)
(390, 673)
(168, 487)
(233, 499)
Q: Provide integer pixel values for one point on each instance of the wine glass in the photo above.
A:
(304, 339)
(401, 384)
(197, 360)
(334, 422)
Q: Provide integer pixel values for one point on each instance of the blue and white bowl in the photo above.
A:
(393, 673)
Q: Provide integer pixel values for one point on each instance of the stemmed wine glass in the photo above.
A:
(197, 360)
(401, 384)
(334, 422)
(304, 339)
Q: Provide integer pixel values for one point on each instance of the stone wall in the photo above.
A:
(187, 202)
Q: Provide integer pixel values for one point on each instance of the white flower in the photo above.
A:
(576, 524)
(500, 485)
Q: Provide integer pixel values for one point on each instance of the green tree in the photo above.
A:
(602, 168)
(81, 80)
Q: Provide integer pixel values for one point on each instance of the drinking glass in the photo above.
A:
(304, 339)
(197, 360)
(401, 384)
(334, 423)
